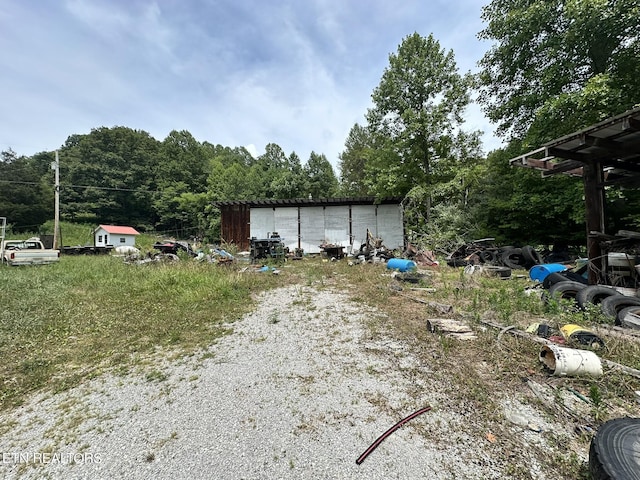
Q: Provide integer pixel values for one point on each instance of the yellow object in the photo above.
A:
(581, 335)
(571, 328)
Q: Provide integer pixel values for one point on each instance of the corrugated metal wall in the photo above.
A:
(308, 227)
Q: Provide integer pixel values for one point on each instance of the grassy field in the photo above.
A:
(61, 324)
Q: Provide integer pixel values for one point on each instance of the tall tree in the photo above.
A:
(321, 179)
(353, 160)
(108, 176)
(269, 166)
(184, 162)
(417, 113)
(559, 65)
(290, 181)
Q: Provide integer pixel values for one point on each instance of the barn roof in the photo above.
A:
(118, 230)
(311, 202)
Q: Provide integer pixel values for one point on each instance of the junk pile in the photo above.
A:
(425, 258)
(173, 247)
(373, 250)
(332, 251)
(485, 252)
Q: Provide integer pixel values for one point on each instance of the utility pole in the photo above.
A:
(56, 221)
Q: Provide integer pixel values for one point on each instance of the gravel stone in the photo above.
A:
(299, 390)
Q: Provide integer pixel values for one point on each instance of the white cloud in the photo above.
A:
(298, 74)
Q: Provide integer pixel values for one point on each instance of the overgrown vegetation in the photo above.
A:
(65, 323)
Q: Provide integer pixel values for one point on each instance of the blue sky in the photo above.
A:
(298, 73)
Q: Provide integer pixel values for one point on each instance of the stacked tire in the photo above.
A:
(615, 450)
(612, 303)
(520, 258)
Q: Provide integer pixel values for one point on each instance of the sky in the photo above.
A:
(297, 73)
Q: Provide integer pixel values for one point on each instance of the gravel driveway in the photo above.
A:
(299, 390)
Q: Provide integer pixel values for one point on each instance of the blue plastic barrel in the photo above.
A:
(401, 264)
(540, 272)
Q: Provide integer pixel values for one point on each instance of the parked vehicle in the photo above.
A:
(86, 250)
(27, 252)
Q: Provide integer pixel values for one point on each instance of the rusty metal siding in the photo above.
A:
(234, 225)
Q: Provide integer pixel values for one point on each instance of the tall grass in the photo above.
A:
(63, 322)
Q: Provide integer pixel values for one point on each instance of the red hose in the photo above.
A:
(381, 438)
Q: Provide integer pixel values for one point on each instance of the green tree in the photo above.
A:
(417, 113)
(26, 190)
(269, 167)
(290, 181)
(517, 206)
(109, 175)
(321, 179)
(184, 161)
(558, 65)
(353, 160)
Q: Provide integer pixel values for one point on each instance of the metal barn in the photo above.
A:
(309, 223)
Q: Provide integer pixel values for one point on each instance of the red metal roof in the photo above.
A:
(119, 230)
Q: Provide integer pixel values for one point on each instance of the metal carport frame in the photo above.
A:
(607, 153)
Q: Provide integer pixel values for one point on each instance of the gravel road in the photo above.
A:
(299, 390)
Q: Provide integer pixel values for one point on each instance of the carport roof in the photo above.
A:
(311, 202)
(614, 143)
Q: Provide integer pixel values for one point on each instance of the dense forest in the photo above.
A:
(554, 67)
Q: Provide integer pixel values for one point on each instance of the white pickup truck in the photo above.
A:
(27, 252)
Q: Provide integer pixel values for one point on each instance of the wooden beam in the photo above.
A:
(563, 167)
(594, 206)
(568, 154)
(631, 124)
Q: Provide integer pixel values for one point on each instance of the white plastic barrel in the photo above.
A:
(570, 362)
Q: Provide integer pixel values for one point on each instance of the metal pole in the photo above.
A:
(56, 221)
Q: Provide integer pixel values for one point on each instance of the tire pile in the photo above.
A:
(482, 252)
(613, 304)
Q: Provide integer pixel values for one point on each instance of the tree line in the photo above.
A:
(123, 176)
(553, 67)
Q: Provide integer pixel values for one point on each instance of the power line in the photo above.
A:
(21, 183)
(62, 185)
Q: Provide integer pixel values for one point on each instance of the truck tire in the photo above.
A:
(594, 294)
(530, 256)
(615, 450)
(487, 256)
(566, 289)
(513, 259)
(631, 323)
(611, 306)
(552, 279)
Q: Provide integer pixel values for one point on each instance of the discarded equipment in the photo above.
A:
(267, 248)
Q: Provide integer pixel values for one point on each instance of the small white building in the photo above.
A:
(114, 235)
